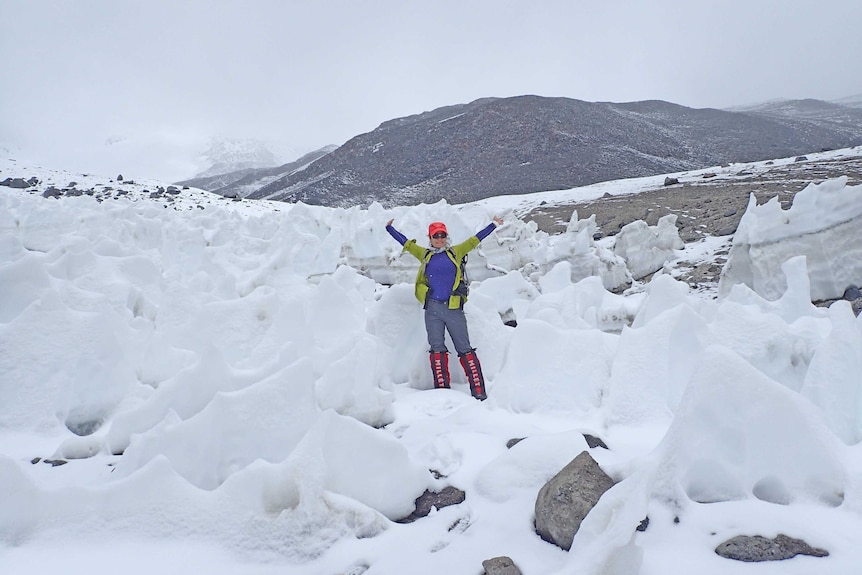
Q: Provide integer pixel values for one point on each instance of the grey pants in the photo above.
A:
(438, 318)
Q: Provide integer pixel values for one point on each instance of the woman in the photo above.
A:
(439, 289)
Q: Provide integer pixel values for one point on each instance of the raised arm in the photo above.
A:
(401, 238)
(486, 231)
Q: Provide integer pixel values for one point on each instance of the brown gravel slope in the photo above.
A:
(704, 204)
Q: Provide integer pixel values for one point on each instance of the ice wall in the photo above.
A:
(824, 224)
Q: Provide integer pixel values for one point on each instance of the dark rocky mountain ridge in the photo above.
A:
(499, 146)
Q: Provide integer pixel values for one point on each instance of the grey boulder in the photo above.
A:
(500, 566)
(759, 548)
(564, 501)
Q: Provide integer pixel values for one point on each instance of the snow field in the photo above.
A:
(246, 382)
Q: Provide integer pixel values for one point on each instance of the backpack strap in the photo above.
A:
(463, 288)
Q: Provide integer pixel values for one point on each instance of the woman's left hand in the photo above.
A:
(498, 220)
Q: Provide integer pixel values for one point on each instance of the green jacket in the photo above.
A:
(456, 253)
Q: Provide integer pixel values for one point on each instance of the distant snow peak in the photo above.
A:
(231, 154)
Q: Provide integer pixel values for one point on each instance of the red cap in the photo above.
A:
(436, 227)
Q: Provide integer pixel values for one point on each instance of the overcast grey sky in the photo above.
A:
(170, 73)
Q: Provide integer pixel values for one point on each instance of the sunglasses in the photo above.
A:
(439, 235)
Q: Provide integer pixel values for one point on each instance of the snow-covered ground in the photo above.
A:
(243, 388)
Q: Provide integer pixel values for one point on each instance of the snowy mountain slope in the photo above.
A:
(51, 183)
(843, 118)
(852, 101)
(209, 387)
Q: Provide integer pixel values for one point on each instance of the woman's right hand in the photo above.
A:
(389, 223)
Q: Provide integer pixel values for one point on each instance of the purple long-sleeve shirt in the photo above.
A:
(440, 270)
